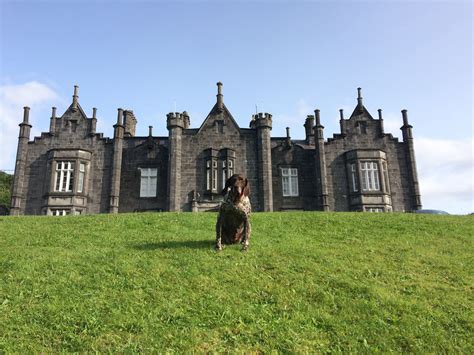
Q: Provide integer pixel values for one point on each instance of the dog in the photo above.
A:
(233, 220)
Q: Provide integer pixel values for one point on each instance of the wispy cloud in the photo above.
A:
(295, 120)
(13, 98)
(446, 172)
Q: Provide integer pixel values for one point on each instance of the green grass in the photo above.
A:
(310, 282)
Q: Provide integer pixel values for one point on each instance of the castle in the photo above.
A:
(72, 169)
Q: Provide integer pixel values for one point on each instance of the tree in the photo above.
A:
(6, 181)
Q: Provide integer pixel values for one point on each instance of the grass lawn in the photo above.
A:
(310, 282)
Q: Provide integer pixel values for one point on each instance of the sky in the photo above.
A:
(283, 57)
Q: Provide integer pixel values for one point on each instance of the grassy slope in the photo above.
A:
(311, 281)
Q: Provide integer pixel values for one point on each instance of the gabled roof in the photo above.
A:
(70, 111)
(360, 110)
(215, 112)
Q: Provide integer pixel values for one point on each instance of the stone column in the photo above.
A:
(117, 163)
(411, 162)
(20, 165)
(175, 124)
(264, 161)
(321, 163)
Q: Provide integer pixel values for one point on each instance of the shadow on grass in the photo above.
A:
(176, 244)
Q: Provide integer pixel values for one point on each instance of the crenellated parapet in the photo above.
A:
(177, 120)
(262, 120)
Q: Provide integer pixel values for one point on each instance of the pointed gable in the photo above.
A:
(219, 120)
(360, 111)
(74, 113)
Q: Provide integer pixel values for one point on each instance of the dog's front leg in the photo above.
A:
(246, 240)
(219, 233)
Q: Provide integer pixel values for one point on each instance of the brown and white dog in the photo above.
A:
(233, 220)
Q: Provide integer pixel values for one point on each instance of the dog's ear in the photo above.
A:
(246, 190)
(228, 184)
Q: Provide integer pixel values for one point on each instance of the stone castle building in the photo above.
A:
(72, 169)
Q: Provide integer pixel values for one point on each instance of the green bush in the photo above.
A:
(6, 181)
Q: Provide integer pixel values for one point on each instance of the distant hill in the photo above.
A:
(6, 181)
(311, 282)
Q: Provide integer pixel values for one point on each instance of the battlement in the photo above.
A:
(262, 120)
(177, 119)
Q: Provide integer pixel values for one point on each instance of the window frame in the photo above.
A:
(64, 171)
(370, 176)
(289, 182)
(148, 182)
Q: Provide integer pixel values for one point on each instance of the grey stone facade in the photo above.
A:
(73, 170)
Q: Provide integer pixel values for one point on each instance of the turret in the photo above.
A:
(411, 162)
(116, 163)
(20, 164)
(175, 123)
(263, 125)
(130, 123)
(321, 163)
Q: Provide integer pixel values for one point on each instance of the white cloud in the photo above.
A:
(295, 120)
(13, 98)
(446, 171)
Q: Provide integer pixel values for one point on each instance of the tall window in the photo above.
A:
(214, 175)
(227, 170)
(148, 182)
(370, 176)
(64, 176)
(82, 172)
(354, 178)
(289, 181)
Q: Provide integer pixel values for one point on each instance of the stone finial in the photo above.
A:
(150, 131)
(94, 112)
(341, 114)
(75, 97)
(52, 124)
(288, 132)
(318, 117)
(220, 101)
(359, 96)
(26, 114)
(382, 129)
(120, 117)
(405, 117)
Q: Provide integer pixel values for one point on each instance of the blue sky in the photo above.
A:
(286, 57)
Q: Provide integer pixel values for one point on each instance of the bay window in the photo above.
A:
(64, 176)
